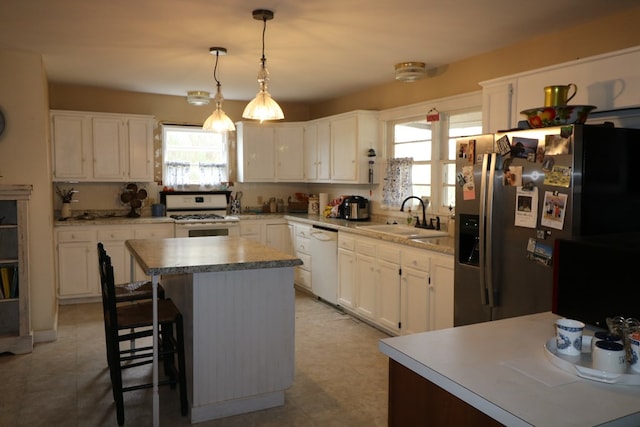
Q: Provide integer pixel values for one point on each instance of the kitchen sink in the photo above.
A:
(403, 231)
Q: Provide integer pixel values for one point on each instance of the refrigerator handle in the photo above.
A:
(489, 230)
(482, 233)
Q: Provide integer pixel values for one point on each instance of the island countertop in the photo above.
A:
(501, 369)
(205, 254)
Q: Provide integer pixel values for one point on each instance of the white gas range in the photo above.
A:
(200, 213)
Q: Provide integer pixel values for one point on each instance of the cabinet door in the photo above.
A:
(415, 300)
(344, 133)
(346, 277)
(252, 230)
(441, 293)
(108, 148)
(323, 156)
(256, 145)
(72, 156)
(78, 269)
(289, 153)
(388, 311)
(366, 285)
(310, 152)
(279, 237)
(113, 241)
(140, 140)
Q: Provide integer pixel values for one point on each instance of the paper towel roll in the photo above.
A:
(324, 201)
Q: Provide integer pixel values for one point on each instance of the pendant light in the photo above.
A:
(263, 107)
(218, 121)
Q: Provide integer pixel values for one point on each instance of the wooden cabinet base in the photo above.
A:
(415, 401)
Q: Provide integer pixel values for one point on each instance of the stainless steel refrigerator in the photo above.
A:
(519, 191)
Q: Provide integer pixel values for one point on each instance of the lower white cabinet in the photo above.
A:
(302, 249)
(402, 290)
(77, 255)
(274, 233)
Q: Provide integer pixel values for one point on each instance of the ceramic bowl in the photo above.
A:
(558, 115)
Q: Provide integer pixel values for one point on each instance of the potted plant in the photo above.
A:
(67, 198)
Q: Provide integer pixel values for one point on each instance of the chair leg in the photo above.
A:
(184, 402)
(168, 359)
(116, 379)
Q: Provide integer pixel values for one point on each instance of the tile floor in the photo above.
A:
(340, 380)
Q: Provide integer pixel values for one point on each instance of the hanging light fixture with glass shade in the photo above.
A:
(263, 107)
(410, 71)
(218, 121)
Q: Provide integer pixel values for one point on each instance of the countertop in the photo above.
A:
(444, 245)
(501, 369)
(205, 254)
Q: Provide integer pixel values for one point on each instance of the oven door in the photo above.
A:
(199, 229)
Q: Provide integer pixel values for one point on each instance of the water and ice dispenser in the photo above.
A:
(469, 239)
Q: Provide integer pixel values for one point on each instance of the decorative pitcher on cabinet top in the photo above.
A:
(559, 94)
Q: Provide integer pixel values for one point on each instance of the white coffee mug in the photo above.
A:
(569, 336)
(610, 357)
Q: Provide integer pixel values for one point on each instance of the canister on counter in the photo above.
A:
(314, 205)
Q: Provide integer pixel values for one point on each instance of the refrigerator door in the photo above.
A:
(470, 288)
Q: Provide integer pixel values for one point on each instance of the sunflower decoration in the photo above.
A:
(133, 196)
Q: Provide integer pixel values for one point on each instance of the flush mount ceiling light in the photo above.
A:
(198, 97)
(263, 107)
(218, 121)
(410, 71)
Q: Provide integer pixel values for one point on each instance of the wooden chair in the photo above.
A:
(133, 291)
(134, 321)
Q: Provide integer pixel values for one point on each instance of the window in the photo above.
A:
(194, 157)
(432, 145)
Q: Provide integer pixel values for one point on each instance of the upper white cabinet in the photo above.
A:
(289, 152)
(101, 147)
(352, 135)
(317, 151)
(609, 81)
(332, 149)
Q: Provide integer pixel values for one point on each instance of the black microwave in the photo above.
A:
(596, 277)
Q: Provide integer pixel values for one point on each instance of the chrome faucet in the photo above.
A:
(424, 214)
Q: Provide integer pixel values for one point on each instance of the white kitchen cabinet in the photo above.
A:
(256, 152)
(252, 230)
(72, 153)
(77, 260)
(352, 135)
(497, 107)
(366, 284)
(278, 236)
(302, 248)
(101, 147)
(347, 271)
(289, 147)
(441, 293)
(388, 275)
(317, 151)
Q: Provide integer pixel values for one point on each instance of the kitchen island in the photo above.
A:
(237, 299)
(497, 373)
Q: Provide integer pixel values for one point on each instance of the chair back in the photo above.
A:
(107, 285)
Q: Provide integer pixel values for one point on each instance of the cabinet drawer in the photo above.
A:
(303, 244)
(416, 260)
(306, 261)
(366, 248)
(303, 232)
(389, 253)
(107, 235)
(347, 243)
(76, 236)
(154, 233)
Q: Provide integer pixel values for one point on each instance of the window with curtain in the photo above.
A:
(432, 146)
(193, 157)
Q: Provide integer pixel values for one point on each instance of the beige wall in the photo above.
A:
(24, 159)
(605, 35)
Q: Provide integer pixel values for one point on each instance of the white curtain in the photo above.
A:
(398, 181)
(212, 173)
(177, 173)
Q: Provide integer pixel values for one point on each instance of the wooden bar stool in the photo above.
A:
(127, 322)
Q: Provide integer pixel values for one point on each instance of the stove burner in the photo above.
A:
(197, 216)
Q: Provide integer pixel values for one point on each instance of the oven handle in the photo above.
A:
(207, 224)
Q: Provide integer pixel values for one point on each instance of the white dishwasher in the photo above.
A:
(324, 264)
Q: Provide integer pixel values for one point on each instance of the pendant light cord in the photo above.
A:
(215, 70)
(264, 30)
